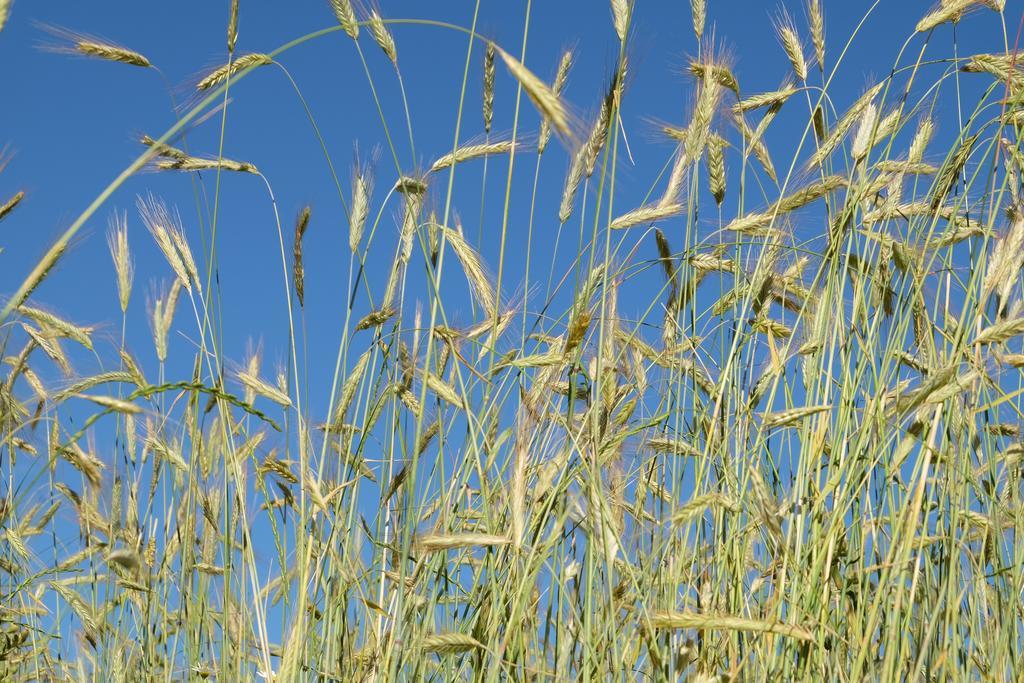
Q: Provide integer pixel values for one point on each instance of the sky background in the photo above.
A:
(71, 124)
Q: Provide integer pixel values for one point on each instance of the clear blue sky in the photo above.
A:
(72, 123)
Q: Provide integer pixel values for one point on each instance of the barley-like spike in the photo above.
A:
(572, 183)
(475, 274)
(57, 326)
(791, 45)
(220, 74)
(298, 273)
(720, 73)
(444, 391)
(672, 447)
(561, 76)
(233, 26)
(812, 192)
(9, 205)
(620, 17)
(382, 36)
(113, 53)
(469, 152)
(950, 171)
(591, 150)
(362, 187)
(716, 167)
(543, 97)
(160, 224)
(199, 164)
(698, 9)
(646, 214)
(1005, 262)
(265, 389)
(711, 622)
(346, 17)
(449, 643)
(755, 145)
(375, 318)
(775, 98)
(843, 126)
(163, 150)
(862, 141)
(817, 22)
(5, 12)
(431, 543)
(488, 100)
(950, 11)
(924, 133)
(1002, 331)
(786, 418)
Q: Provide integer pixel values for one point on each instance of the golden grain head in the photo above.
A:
(382, 36)
(544, 98)
(124, 266)
(110, 52)
(790, 40)
(11, 203)
(233, 26)
(222, 73)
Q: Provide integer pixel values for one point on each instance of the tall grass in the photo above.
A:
(767, 426)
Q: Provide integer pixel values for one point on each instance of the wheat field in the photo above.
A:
(762, 424)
